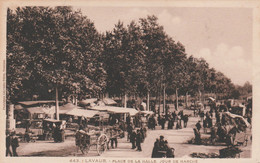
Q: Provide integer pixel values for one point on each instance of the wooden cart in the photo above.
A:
(85, 140)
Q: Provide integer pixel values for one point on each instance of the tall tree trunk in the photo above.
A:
(57, 104)
(76, 101)
(177, 99)
(156, 100)
(199, 95)
(148, 101)
(73, 99)
(164, 111)
(159, 107)
(125, 101)
(186, 99)
(203, 97)
(68, 99)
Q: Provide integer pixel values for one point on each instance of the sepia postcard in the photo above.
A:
(152, 81)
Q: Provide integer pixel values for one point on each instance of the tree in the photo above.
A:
(154, 40)
(16, 59)
(247, 87)
(174, 67)
(116, 60)
(61, 48)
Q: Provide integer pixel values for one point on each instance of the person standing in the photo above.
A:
(77, 140)
(153, 123)
(56, 134)
(217, 116)
(155, 149)
(142, 135)
(133, 139)
(8, 144)
(205, 125)
(174, 115)
(170, 121)
(62, 133)
(180, 117)
(202, 115)
(163, 122)
(197, 136)
(128, 120)
(113, 138)
(210, 122)
(185, 120)
(129, 130)
(138, 140)
(213, 135)
(14, 144)
(198, 126)
(178, 125)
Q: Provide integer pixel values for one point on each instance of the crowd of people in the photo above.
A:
(136, 136)
(221, 129)
(170, 118)
(210, 121)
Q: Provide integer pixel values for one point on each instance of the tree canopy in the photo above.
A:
(50, 47)
(58, 47)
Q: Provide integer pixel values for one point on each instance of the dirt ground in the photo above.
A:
(177, 139)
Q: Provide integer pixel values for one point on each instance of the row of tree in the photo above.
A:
(58, 48)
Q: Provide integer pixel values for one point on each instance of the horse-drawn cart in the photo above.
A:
(85, 140)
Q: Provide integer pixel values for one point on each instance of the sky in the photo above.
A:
(222, 36)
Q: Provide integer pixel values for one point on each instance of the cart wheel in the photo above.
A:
(84, 149)
(102, 144)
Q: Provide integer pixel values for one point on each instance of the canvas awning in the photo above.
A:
(18, 107)
(66, 108)
(144, 105)
(88, 101)
(238, 118)
(109, 101)
(115, 109)
(82, 113)
(29, 103)
(211, 98)
(41, 110)
(52, 120)
(147, 112)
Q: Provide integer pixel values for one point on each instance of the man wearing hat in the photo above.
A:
(133, 139)
(198, 125)
(161, 143)
(8, 144)
(138, 140)
(14, 143)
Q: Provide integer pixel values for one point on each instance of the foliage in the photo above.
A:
(58, 47)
